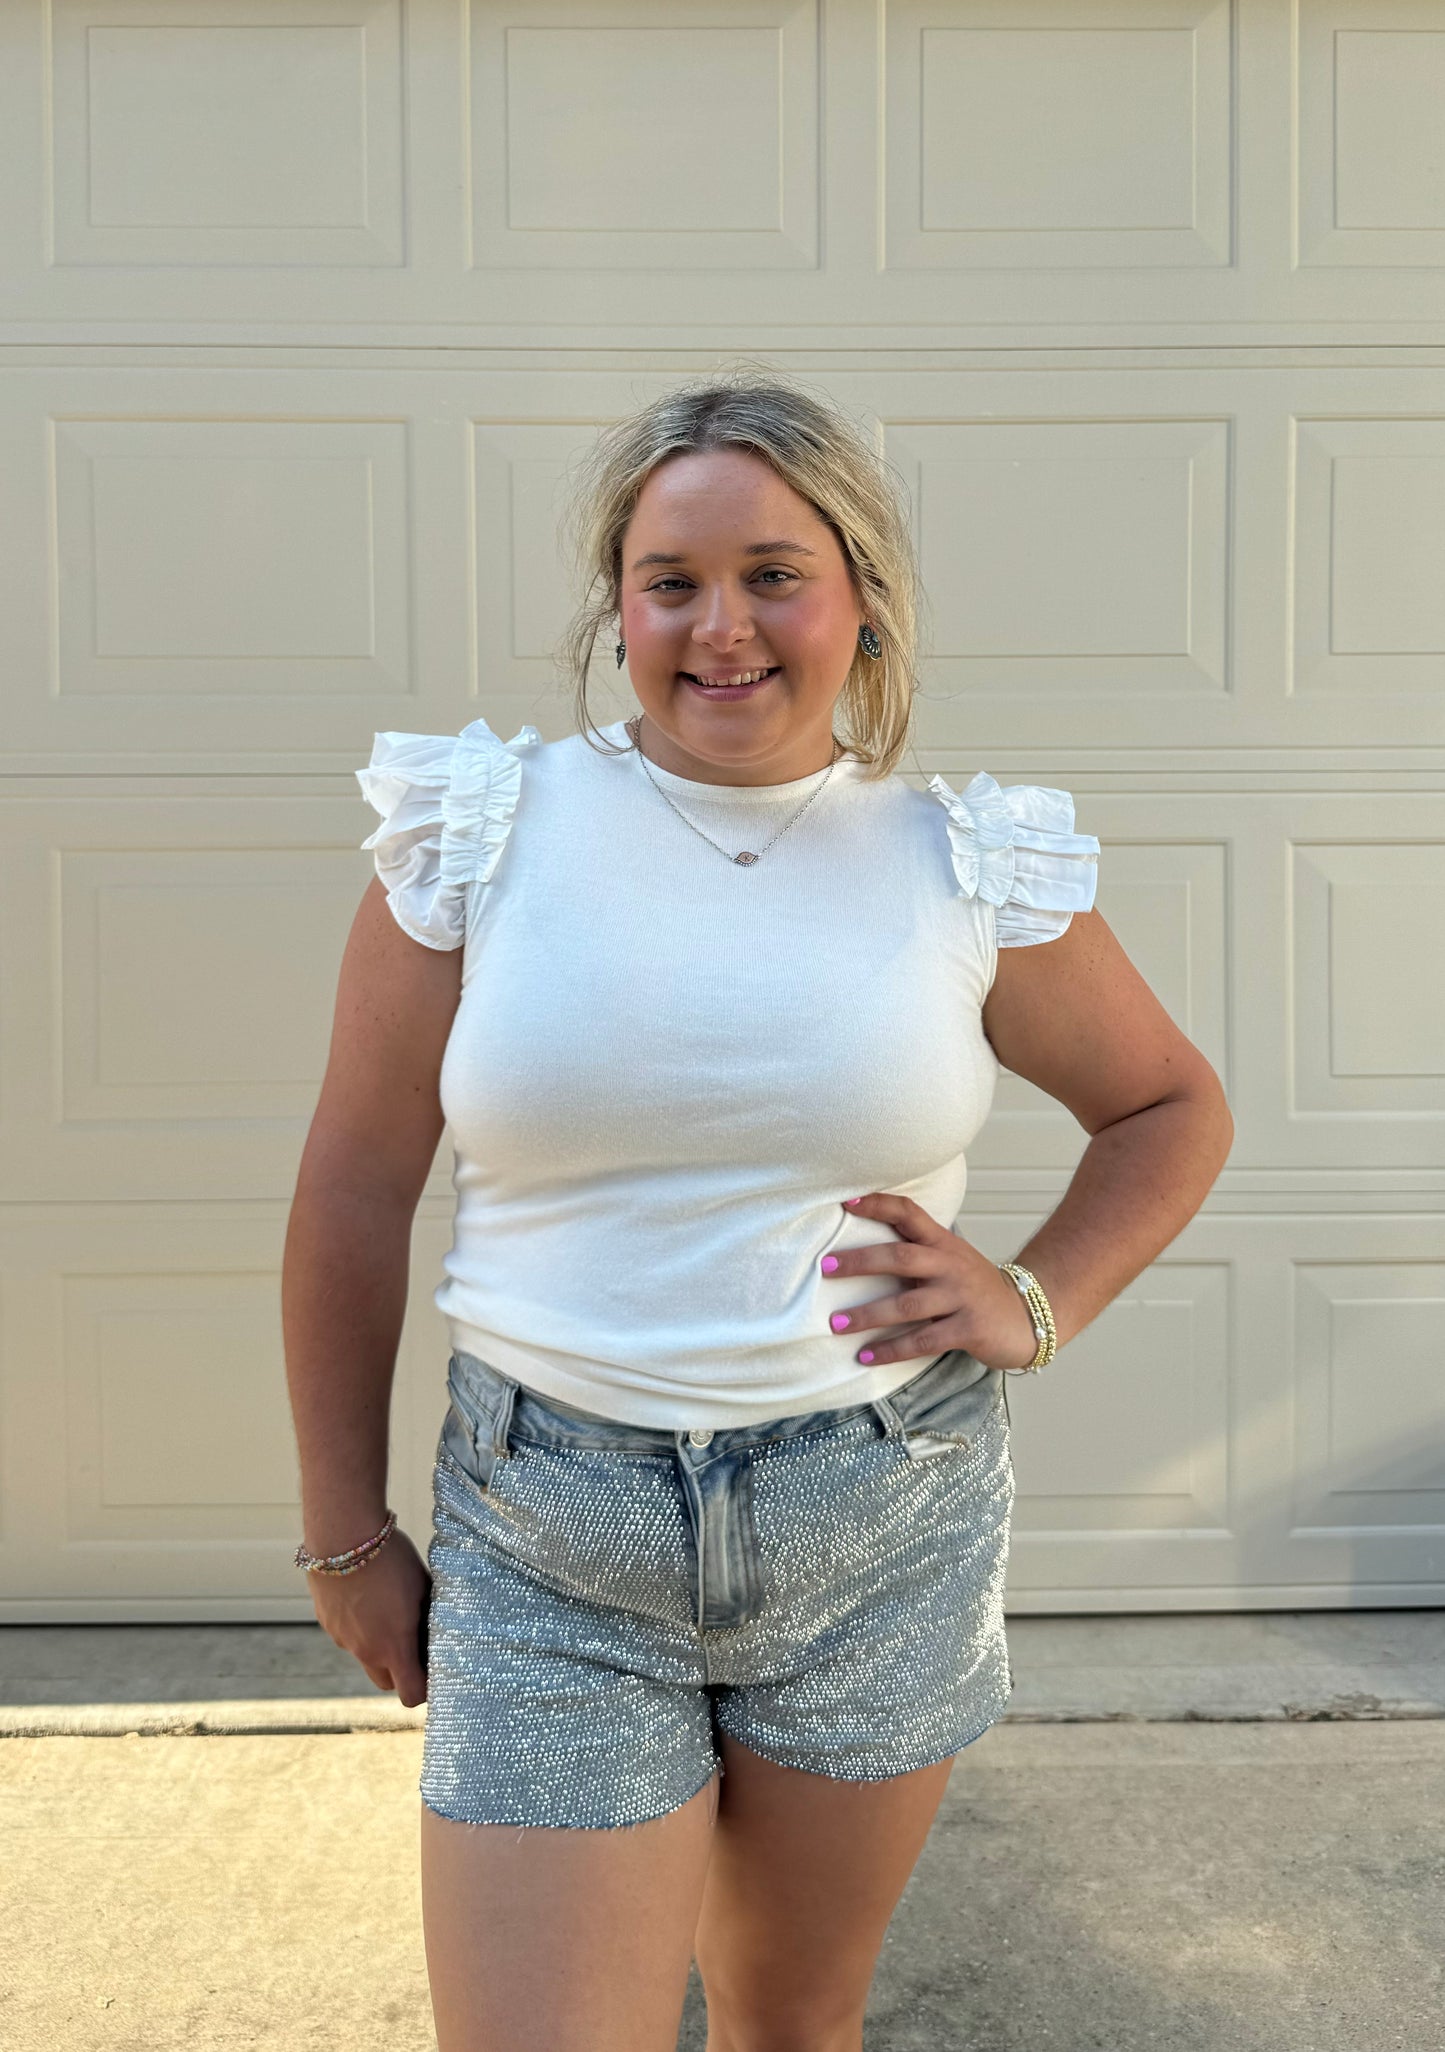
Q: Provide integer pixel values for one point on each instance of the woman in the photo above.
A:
(714, 1003)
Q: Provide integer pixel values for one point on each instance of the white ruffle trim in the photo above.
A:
(1015, 847)
(446, 803)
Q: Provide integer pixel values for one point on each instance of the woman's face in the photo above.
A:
(722, 604)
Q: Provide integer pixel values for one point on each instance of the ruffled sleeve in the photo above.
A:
(1015, 847)
(446, 803)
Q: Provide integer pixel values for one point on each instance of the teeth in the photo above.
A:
(747, 677)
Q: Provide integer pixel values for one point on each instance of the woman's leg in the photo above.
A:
(805, 1875)
(542, 1939)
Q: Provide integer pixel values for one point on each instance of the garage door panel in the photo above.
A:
(1068, 552)
(246, 559)
(1371, 86)
(520, 488)
(258, 573)
(1369, 540)
(1255, 1422)
(170, 962)
(708, 127)
(1134, 1439)
(1370, 1402)
(1338, 994)
(177, 171)
(149, 1454)
(147, 1457)
(1368, 991)
(1028, 140)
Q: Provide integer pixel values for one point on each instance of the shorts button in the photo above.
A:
(700, 1438)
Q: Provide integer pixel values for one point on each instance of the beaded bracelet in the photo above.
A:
(1027, 1284)
(347, 1563)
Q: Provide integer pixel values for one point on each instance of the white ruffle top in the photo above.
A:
(668, 1069)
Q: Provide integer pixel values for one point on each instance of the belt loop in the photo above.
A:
(887, 1414)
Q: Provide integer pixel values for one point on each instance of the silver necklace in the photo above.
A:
(634, 728)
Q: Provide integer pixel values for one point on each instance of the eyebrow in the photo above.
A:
(767, 548)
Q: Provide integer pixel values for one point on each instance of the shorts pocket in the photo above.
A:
(472, 1452)
(945, 1408)
(469, 1431)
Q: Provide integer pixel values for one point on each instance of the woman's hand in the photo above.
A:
(964, 1299)
(375, 1614)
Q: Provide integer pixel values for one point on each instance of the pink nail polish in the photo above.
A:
(830, 1262)
(839, 1321)
(866, 1355)
(849, 1202)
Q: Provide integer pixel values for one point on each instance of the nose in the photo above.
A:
(724, 623)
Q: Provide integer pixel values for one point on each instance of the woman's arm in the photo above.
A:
(1075, 1017)
(369, 1151)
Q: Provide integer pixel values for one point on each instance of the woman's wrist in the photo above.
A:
(348, 1559)
(1039, 1310)
(337, 1528)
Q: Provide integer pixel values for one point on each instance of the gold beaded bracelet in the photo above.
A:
(1027, 1285)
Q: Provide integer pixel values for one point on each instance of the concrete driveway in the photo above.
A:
(1215, 1833)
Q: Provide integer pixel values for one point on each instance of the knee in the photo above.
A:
(779, 2028)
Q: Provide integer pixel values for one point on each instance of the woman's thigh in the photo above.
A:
(542, 1939)
(805, 1875)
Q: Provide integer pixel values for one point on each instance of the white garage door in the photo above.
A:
(305, 313)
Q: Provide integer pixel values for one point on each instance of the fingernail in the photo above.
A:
(851, 1201)
(866, 1355)
(839, 1321)
(830, 1262)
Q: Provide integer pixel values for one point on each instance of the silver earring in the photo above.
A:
(871, 644)
(621, 653)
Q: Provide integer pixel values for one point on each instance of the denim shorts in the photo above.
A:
(827, 1588)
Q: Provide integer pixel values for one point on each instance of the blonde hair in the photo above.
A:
(814, 447)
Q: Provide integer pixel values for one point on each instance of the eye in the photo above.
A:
(663, 582)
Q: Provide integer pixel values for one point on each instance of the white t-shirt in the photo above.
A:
(668, 1069)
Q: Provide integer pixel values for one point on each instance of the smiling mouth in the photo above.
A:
(729, 683)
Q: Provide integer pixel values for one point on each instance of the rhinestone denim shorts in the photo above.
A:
(827, 1588)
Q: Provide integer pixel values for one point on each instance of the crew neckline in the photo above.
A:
(700, 791)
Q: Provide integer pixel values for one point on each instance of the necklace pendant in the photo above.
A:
(745, 857)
